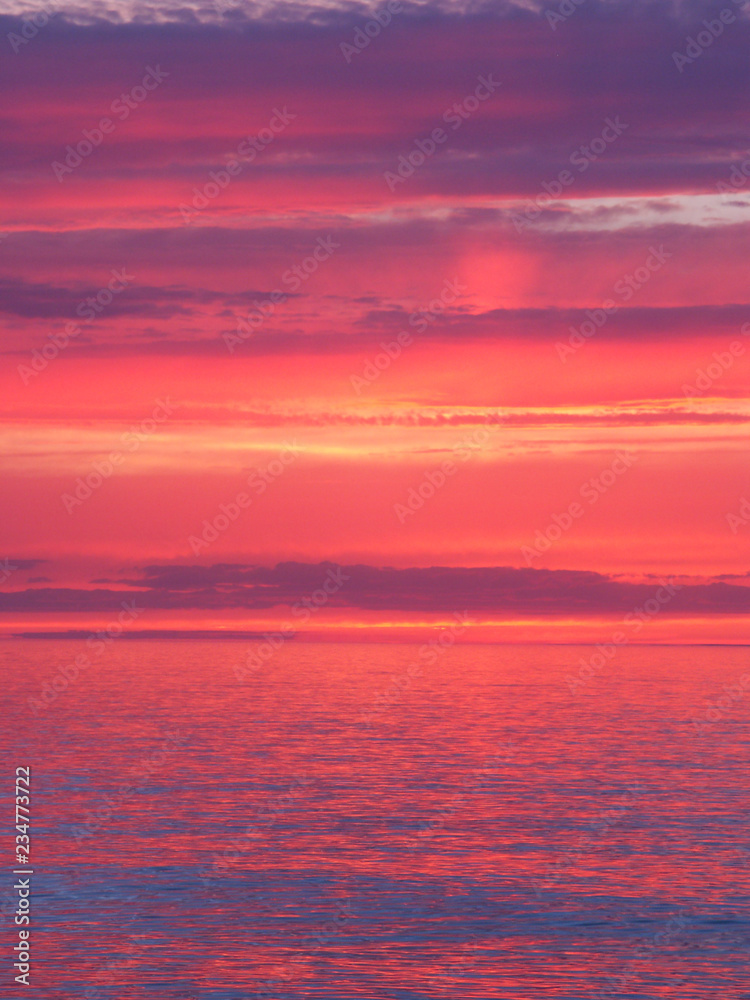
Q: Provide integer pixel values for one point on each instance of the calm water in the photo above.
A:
(487, 833)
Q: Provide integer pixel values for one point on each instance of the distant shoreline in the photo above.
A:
(169, 635)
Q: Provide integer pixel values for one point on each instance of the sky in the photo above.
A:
(442, 303)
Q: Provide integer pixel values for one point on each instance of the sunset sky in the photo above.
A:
(559, 274)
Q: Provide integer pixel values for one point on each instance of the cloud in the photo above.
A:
(38, 300)
(485, 590)
(354, 120)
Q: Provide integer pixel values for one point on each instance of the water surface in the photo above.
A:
(342, 824)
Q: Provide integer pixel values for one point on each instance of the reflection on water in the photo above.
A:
(327, 829)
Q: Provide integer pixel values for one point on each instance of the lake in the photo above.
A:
(352, 820)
